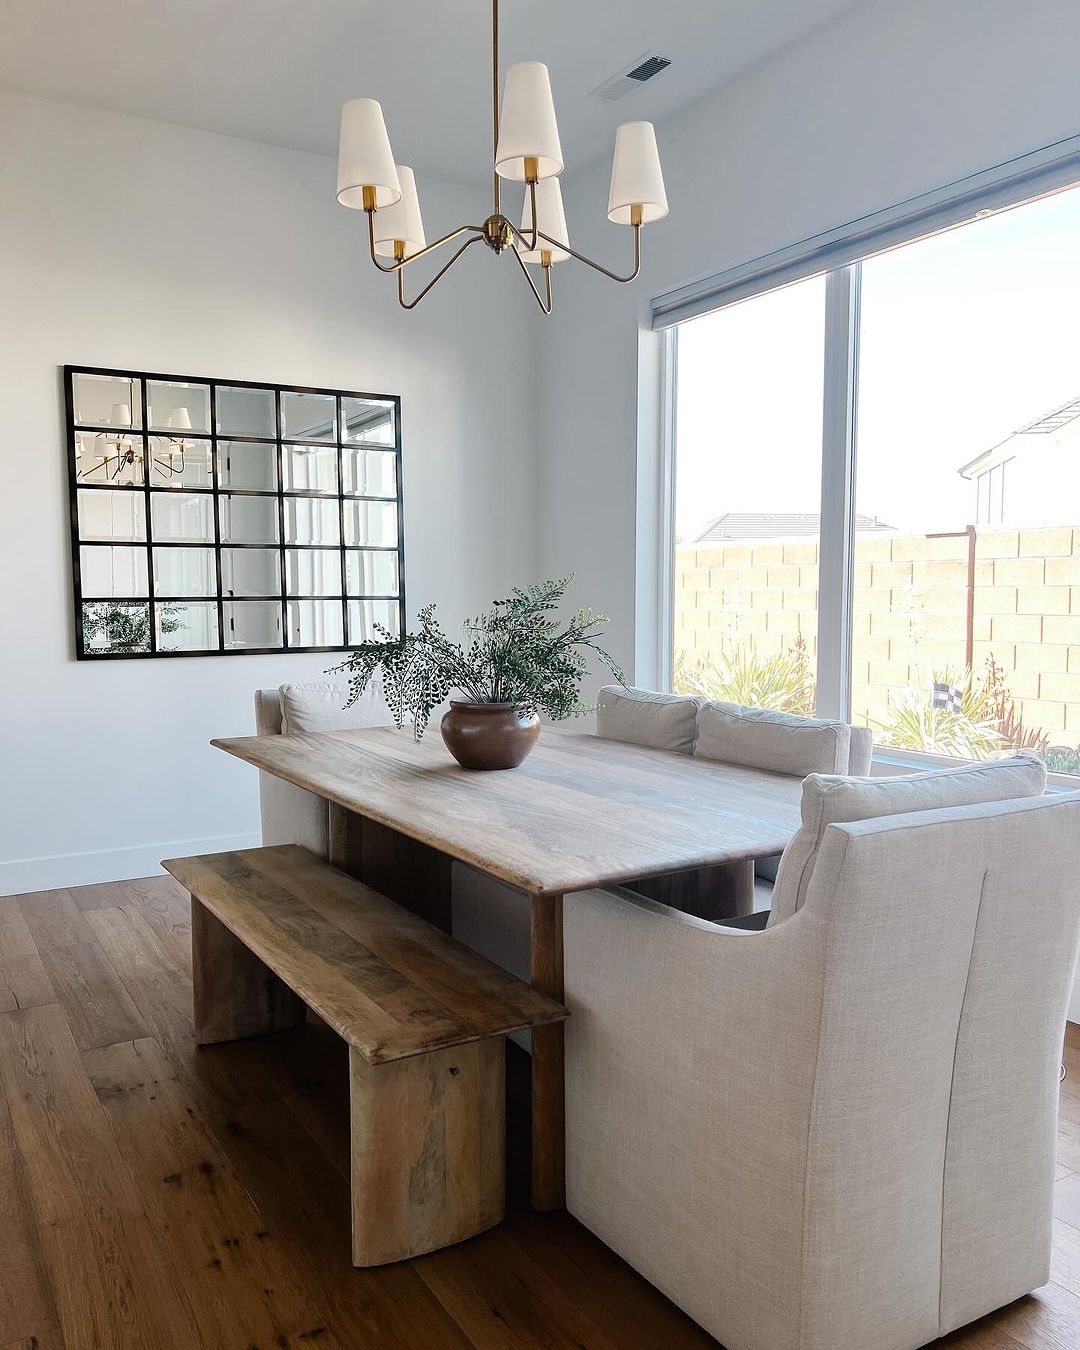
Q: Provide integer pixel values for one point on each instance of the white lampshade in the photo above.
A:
(364, 156)
(180, 420)
(120, 416)
(401, 223)
(527, 126)
(636, 179)
(550, 218)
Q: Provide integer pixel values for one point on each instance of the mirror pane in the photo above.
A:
(308, 417)
(106, 401)
(249, 466)
(252, 624)
(313, 571)
(311, 520)
(365, 614)
(106, 516)
(368, 421)
(184, 571)
(116, 628)
(178, 406)
(188, 627)
(371, 523)
(111, 459)
(250, 571)
(371, 573)
(315, 623)
(245, 412)
(310, 468)
(178, 461)
(182, 517)
(369, 473)
(248, 520)
(108, 571)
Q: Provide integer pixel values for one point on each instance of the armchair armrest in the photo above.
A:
(690, 1059)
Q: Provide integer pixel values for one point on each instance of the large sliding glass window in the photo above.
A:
(747, 498)
(959, 575)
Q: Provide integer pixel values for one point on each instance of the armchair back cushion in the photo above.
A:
(829, 800)
(642, 717)
(289, 814)
(861, 751)
(781, 742)
(319, 705)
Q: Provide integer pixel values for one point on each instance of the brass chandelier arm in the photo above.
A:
(411, 304)
(597, 267)
(477, 232)
(546, 307)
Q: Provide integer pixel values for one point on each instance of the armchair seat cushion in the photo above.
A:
(830, 800)
(777, 741)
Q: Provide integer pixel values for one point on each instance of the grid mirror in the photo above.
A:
(215, 516)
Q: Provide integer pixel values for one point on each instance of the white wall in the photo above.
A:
(135, 244)
(891, 100)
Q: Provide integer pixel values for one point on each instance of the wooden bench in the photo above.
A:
(275, 929)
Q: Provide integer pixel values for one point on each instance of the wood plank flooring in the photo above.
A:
(155, 1196)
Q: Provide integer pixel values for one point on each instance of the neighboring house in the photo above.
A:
(772, 525)
(1024, 479)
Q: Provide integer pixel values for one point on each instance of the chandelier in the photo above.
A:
(526, 149)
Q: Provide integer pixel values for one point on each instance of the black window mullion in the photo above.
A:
(400, 495)
(216, 489)
(147, 502)
(341, 520)
(284, 579)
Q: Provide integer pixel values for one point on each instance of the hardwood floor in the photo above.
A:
(154, 1196)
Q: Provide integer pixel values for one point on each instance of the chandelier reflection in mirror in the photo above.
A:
(527, 150)
(114, 454)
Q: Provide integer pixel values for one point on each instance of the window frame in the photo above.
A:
(839, 256)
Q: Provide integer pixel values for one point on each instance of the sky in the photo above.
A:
(965, 337)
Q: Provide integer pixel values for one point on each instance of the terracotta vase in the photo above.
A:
(489, 735)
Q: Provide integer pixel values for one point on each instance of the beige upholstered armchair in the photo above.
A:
(837, 1133)
(290, 815)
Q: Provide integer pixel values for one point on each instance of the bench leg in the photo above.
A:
(428, 1150)
(236, 995)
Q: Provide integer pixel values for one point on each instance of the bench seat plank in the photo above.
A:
(389, 983)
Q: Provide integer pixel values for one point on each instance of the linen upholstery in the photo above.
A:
(828, 799)
(860, 751)
(319, 705)
(642, 717)
(290, 814)
(877, 1169)
(763, 739)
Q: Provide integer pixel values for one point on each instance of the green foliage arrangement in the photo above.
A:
(124, 626)
(519, 652)
(783, 682)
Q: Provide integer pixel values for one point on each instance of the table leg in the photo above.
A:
(414, 875)
(548, 1099)
(724, 891)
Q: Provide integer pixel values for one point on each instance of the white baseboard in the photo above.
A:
(121, 864)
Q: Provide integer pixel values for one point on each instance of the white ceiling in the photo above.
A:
(278, 70)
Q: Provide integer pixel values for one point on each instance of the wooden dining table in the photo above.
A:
(581, 812)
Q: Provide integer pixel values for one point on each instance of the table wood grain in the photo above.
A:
(581, 811)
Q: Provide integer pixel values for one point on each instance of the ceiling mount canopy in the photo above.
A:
(525, 149)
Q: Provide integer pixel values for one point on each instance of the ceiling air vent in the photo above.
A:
(645, 68)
